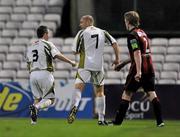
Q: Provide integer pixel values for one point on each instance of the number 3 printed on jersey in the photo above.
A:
(35, 55)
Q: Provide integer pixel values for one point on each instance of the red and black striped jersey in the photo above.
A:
(138, 40)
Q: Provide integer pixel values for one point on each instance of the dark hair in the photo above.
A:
(41, 31)
(132, 17)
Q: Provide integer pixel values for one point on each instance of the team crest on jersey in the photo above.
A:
(134, 44)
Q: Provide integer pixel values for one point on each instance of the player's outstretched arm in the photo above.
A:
(65, 59)
(119, 66)
(116, 51)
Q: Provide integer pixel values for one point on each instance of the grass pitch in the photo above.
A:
(17, 127)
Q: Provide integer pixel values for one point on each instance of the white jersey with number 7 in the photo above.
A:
(90, 44)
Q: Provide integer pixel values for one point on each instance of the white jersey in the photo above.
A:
(90, 44)
(40, 55)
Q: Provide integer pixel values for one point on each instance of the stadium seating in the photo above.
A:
(169, 75)
(4, 49)
(2, 57)
(23, 3)
(8, 74)
(173, 50)
(158, 50)
(117, 75)
(6, 9)
(122, 41)
(8, 2)
(159, 42)
(37, 9)
(19, 20)
(158, 66)
(174, 42)
(166, 81)
(64, 74)
(40, 2)
(11, 65)
(21, 10)
(171, 67)
(166, 63)
(17, 49)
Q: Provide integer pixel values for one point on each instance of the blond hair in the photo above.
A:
(133, 18)
(89, 19)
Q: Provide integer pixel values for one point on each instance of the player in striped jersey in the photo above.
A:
(39, 59)
(89, 43)
(141, 73)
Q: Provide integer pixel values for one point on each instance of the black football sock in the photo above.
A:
(157, 110)
(121, 112)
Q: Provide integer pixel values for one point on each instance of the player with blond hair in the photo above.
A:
(89, 43)
(141, 73)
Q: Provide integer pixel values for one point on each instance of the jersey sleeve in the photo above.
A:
(134, 43)
(77, 41)
(54, 50)
(108, 38)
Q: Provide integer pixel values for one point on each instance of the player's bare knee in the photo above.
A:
(52, 100)
(127, 95)
(99, 90)
(37, 100)
(152, 95)
(79, 86)
(99, 94)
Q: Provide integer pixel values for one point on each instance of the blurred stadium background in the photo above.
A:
(20, 18)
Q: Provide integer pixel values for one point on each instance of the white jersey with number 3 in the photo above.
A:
(90, 44)
(40, 55)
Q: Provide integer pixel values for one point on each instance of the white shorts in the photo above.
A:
(87, 76)
(42, 84)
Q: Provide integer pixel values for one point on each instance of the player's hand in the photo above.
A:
(119, 66)
(74, 64)
(137, 76)
(115, 62)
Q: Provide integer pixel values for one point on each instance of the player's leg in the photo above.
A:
(130, 87)
(156, 107)
(82, 77)
(37, 97)
(42, 85)
(34, 111)
(100, 104)
(149, 87)
(123, 107)
(95, 112)
(97, 78)
(76, 98)
(44, 103)
(46, 86)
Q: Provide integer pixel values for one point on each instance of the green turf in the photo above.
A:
(11, 127)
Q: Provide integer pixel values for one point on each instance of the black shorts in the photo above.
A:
(147, 82)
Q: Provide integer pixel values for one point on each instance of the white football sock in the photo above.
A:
(76, 98)
(44, 103)
(101, 105)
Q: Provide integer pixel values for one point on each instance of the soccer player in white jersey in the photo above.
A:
(39, 59)
(89, 43)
